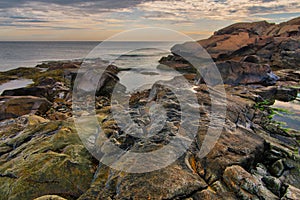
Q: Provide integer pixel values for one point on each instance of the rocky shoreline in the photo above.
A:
(42, 157)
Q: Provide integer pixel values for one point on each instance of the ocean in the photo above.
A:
(29, 54)
(143, 57)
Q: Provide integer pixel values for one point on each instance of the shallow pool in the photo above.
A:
(288, 113)
(14, 84)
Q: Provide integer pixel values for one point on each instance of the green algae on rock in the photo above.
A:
(48, 159)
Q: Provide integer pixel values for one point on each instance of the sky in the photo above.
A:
(97, 20)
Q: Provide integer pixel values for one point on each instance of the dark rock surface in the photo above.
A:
(235, 73)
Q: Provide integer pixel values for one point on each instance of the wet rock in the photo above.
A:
(286, 94)
(50, 92)
(245, 185)
(252, 59)
(12, 107)
(272, 93)
(54, 65)
(232, 72)
(292, 193)
(261, 170)
(277, 168)
(291, 175)
(236, 73)
(273, 184)
(182, 66)
(30, 91)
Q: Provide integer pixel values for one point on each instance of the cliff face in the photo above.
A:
(276, 44)
(269, 46)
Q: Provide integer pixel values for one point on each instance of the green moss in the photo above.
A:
(262, 105)
(57, 75)
(52, 161)
(36, 74)
(281, 110)
(21, 72)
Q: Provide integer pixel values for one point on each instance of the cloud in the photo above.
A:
(266, 9)
(103, 4)
(236, 10)
(106, 15)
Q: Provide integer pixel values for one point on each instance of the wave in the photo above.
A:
(139, 55)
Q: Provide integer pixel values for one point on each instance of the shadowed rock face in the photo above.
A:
(235, 73)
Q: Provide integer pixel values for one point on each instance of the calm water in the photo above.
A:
(290, 116)
(29, 54)
(14, 84)
(143, 57)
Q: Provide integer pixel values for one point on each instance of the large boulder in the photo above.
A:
(101, 79)
(12, 107)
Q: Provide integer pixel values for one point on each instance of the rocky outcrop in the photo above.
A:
(54, 65)
(42, 156)
(97, 77)
(245, 185)
(260, 43)
(277, 93)
(249, 160)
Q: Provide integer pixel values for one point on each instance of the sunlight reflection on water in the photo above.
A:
(14, 84)
(290, 115)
